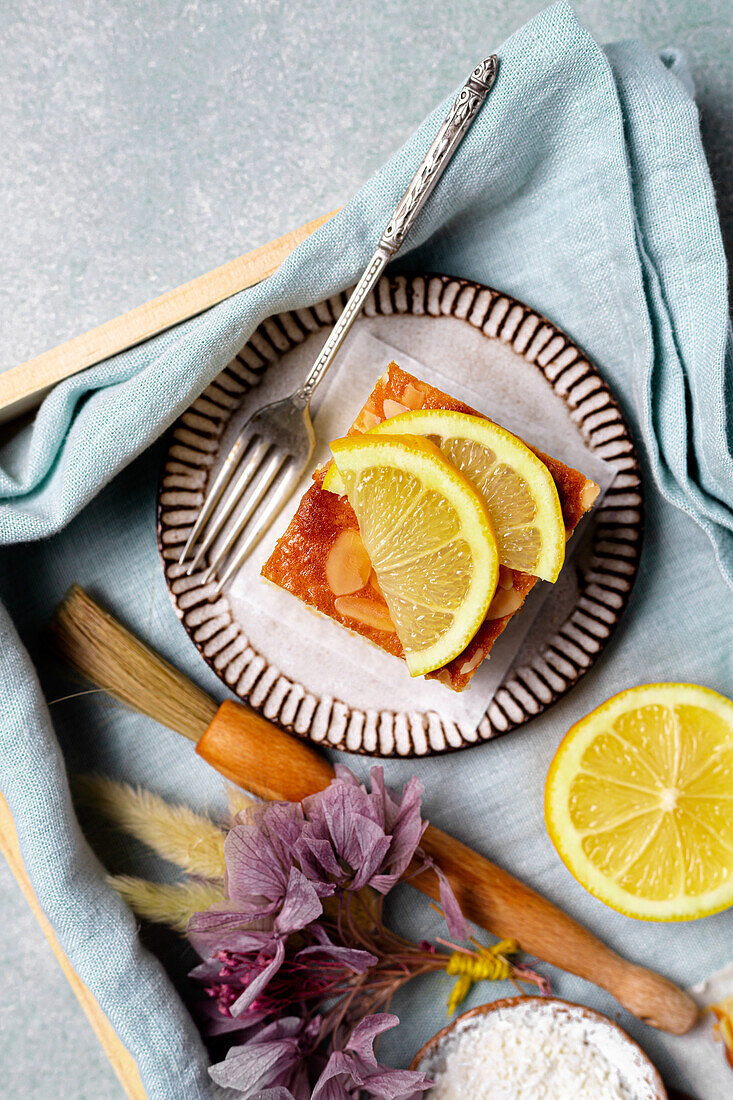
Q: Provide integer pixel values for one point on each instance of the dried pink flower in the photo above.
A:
(247, 989)
(272, 1061)
(340, 843)
(398, 820)
(372, 835)
(297, 957)
(355, 1071)
(271, 1065)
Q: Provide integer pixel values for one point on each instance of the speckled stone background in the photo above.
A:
(144, 143)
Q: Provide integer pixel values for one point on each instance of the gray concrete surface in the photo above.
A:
(144, 143)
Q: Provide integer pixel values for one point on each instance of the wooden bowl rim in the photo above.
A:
(510, 1002)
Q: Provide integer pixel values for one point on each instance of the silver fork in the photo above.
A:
(275, 446)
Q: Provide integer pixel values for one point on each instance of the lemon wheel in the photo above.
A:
(429, 538)
(639, 802)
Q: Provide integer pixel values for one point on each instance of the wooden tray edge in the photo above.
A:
(120, 1058)
(23, 387)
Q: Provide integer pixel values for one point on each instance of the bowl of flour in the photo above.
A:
(536, 1048)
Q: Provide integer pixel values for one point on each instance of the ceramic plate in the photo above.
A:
(471, 323)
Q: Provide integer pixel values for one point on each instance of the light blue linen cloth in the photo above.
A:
(583, 189)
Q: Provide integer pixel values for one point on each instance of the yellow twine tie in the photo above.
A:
(488, 964)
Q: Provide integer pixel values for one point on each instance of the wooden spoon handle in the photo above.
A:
(494, 899)
(255, 754)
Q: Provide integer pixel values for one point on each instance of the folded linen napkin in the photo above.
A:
(582, 188)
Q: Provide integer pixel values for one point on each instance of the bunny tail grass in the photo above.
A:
(103, 651)
(238, 800)
(192, 841)
(165, 903)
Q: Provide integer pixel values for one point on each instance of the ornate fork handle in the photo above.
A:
(461, 115)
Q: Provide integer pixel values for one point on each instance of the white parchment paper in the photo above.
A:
(319, 653)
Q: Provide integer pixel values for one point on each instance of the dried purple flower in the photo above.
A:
(400, 820)
(355, 1071)
(258, 850)
(359, 837)
(249, 983)
(273, 1058)
(267, 889)
(261, 873)
(341, 843)
(298, 958)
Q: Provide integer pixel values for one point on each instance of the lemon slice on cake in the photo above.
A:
(518, 488)
(430, 540)
(639, 802)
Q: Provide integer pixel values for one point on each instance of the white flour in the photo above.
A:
(537, 1053)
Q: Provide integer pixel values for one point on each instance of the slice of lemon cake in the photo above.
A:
(321, 558)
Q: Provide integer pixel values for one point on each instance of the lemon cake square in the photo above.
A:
(321, 559)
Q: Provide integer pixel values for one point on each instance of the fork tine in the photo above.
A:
(257, 490)
(220, 483)
(229, 498)
(279, 495)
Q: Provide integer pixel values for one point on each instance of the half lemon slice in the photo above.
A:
(430, 540)
(518, 488)
(639, 802)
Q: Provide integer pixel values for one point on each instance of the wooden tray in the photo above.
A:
(21, 389)
(122, 1061)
